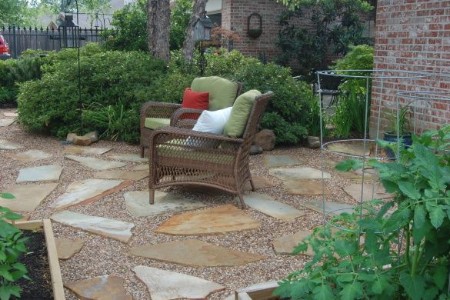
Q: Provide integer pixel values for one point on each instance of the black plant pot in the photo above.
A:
(405, 139)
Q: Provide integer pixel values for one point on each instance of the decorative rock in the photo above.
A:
(122, 174)
(138, 203)
(165, 285)
(298, 173)
(6, 145)
(93, 136)
(84, 140)
(96, 163)
(42, 173)
(27, 197)
(67, 248)
(88, 190)
(267, 205)
(71, 137)
(265, 139)
(85, 151)
(273, 161)
(313, 142)
(104, 287)
(31, 155)
(115, 229)
(255, 150)
(287, 243)
(6, 122)
(214, 220)
(201, 254)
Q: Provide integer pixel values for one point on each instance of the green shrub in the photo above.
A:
(109, 81)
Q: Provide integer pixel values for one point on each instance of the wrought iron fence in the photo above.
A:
(21, 39)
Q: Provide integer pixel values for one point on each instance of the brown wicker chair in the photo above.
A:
(153, 109)
(181, 156)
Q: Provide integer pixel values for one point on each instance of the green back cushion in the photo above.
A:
(155, 123)
(235, 125)
(222, 92)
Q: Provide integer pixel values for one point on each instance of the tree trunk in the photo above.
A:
(158, 27)
(189, 43)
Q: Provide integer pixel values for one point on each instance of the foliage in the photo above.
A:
(14, 12)
(12, 245)
(113, 82)
(15, 71)
(392, 249)
(334, 25)
(399, 121)
(351, 117)
(180, 15)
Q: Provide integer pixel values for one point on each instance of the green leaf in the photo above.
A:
(414, 286)
(409, 190)
(379, 285)
(419, 216)
(440, 277)
(437, 216)
(349, 164)
(351, 291)
(344, 247)
(7, 196)
(323, 292)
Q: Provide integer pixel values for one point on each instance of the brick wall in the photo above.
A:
(234, 17)
(413, 36)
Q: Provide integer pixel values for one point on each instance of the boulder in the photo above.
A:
(265, 139)
(84, 140)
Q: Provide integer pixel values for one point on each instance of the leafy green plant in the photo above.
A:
(12, 246)
(391, 249)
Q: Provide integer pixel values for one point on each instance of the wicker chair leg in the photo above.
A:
(142, 151)
(241, 201)
(252, 185)
(151, 196)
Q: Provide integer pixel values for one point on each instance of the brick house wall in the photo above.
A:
(413, 36)
(234, 17)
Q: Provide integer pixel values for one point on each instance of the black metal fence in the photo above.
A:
(21, 39)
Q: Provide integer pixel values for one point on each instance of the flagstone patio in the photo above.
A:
(193, 242)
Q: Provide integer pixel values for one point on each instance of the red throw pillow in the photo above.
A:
(198, 100)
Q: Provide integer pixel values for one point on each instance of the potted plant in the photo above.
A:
(395, 248)
(16, 252)
(398, 134)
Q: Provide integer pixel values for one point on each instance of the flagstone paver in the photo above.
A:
(27, 197)
(298, 173)
(11, 114)
(31, 155)
(67, 248)
(201, 254)
(83, 150)
(87, 191)
(329, 207)
(122, 174)
(128, 157)
(220, 219)
(141, 167)
(7, 145)
(111, 228)
(287, 243)
(267, 205)
(366, 192)
(106, 287)
(165, 285)
(351, 148)
(41, 173)
(259, 182)
(304, 187)
(6, 122)
(96, 163)
(273, 161)
(137, 203)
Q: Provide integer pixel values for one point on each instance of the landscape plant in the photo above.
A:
(12, 246)
(388, 249)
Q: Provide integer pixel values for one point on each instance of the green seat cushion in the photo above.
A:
(240, 112)
(222, 92)
(155, 123)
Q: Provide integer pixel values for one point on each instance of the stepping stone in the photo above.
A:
(260, 291)
(11, 114)
(221, 219)
(141, 167)
(88, 191)
(122, 174)
(31, 155)
(287, 243)
(109, 228)
(6, 122)
(201, 254)
(357, 176)
(273, 161)
(304, 187)
(351, 148)
(331, 207)
(96, 163)
(267, 205)
(6, 145)
(366, 192)
(259, 182)
(137, 203)
(165, 285)
(99, 288)
(129, 157)
(85, 150)
(42, 173)
(67, 248)
(298, 173)
(27, 197)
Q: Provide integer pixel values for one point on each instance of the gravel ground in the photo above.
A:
(103, 256)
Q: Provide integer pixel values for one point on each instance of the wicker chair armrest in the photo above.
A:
(185, 117)
(153, 109)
